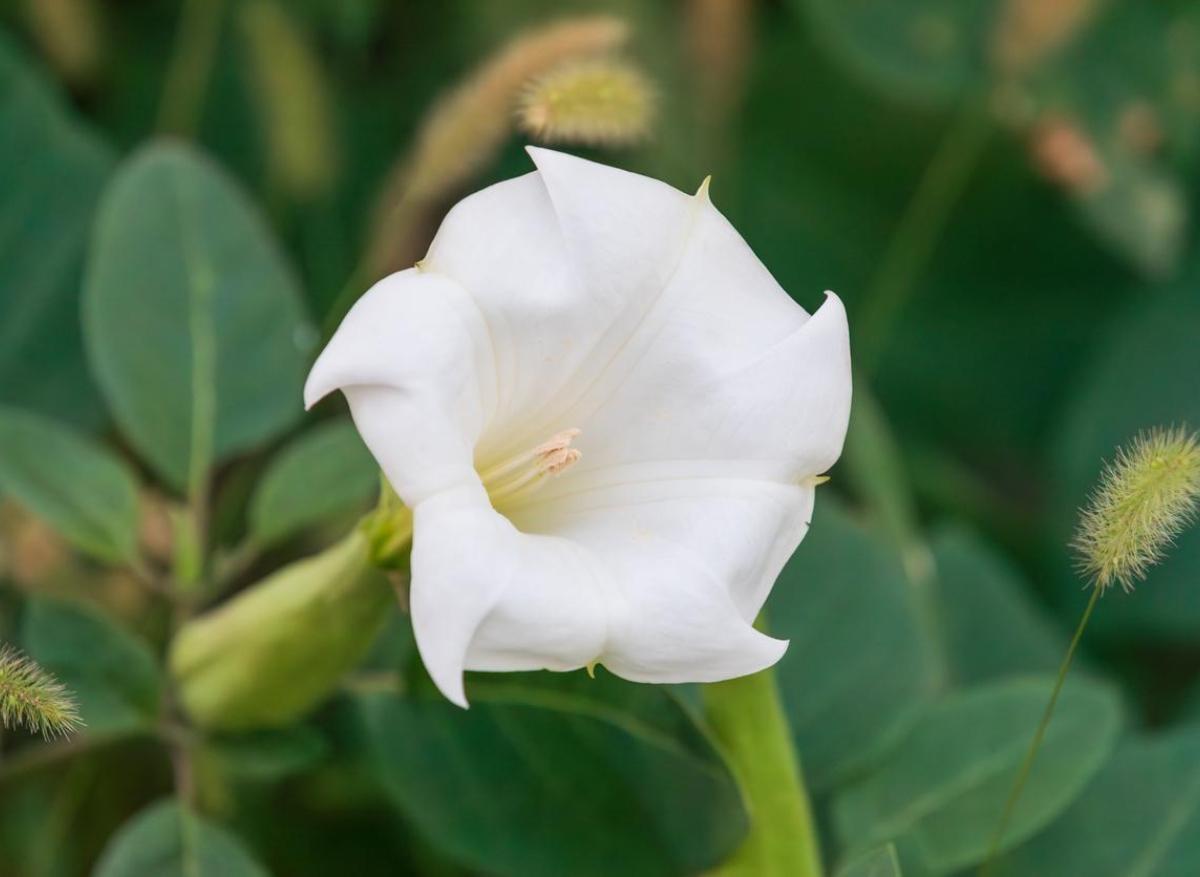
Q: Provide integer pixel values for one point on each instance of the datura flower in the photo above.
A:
(608, 420)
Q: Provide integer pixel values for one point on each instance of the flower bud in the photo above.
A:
(276, 650)
(1145, 498)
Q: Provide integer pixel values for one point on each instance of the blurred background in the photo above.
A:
(1002, 191)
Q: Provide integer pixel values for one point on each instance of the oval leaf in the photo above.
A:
(111, 673)
(940, 795)
(325, 473)
(558, 774)
(51, 172)
(990, 625)
(167, 840)
(76, 486)
(192, 318)
(1139, 816)
(843, 588)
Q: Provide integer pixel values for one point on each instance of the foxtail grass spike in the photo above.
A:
(1145, 497)
(468, 126)
(597, 102)
(32, 699)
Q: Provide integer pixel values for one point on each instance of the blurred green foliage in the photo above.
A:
(1001, 190)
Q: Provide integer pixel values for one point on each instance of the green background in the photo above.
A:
(161, 298)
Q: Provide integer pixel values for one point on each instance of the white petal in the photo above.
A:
(563, 264)
(722, 366)
(504, 246)
(787, 403)
(657, 581)
(488, 597)
(735, 522)
(412, 359)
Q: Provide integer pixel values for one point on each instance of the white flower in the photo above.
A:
(608, 420)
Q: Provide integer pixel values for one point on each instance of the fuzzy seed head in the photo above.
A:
(33, 699)
(468, 126)
(1146, 496)
(594, 102)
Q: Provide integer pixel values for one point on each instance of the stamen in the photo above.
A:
(524, 473)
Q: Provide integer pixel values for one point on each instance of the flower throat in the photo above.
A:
(521, 475)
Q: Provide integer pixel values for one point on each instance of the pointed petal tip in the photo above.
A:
(450, 683)
(443, 651)
(540, 153)
(832, 308)
(774, 649)
(702, 192)
(317, 386)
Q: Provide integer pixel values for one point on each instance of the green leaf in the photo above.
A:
(168, 840)
(843, 589)
(1139, 816)
(51, 172)
(554, 774)
(111, 673)
(324, 474)
(940, 795)
(192, 317)
(1144, 376)
(990, 624)
(926, 49)
(880, 862)
(76, 486)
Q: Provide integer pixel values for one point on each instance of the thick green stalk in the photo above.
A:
(1023, 776)
(747, 716)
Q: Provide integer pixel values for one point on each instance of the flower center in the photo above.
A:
(521, 475)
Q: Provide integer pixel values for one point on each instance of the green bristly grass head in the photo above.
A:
(1145, 497)
(33, 699)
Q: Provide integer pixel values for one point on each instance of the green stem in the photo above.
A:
(1027, 765)
(910, 248)
(747, 716)
(191, 63)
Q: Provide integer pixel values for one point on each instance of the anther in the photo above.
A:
(522, 474)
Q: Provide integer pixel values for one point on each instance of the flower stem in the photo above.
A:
(1023, 776)
(920, 226)
(747, 716)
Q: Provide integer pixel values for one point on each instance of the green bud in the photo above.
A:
(280, 647)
